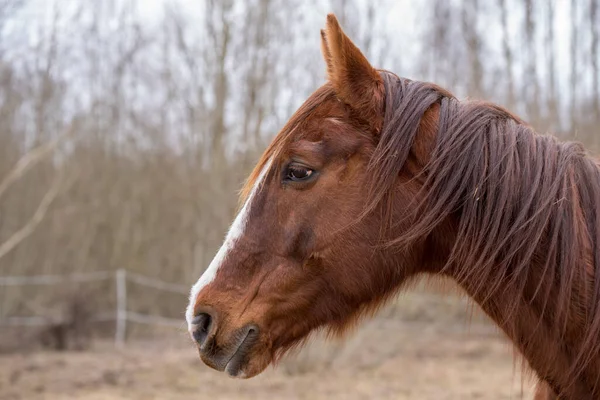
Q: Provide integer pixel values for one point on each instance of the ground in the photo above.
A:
(414, 356)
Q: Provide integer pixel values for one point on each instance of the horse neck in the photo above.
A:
(528, 319)
(530, 330)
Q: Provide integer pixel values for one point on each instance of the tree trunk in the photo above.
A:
(508, 56)
(552, 100)
(594, 22)
(530, 86)
(574, 69)
(473, 44)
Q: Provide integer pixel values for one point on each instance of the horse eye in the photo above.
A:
(297, 173)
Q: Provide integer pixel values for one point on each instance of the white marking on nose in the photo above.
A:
(235, 232)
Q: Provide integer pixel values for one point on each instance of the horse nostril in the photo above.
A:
(202, 324)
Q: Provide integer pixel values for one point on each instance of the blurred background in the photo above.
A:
(127, 128)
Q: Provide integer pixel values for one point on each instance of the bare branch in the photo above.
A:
(27, 229)
(31, 159)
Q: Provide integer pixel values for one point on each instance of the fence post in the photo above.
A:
(121, 320)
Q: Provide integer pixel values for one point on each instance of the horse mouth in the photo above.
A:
(234, 357)
(239, 357)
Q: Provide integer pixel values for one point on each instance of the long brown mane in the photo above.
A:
(527, 208)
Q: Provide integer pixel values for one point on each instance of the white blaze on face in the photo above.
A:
(236, 231)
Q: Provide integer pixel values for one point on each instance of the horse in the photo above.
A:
(376, 180)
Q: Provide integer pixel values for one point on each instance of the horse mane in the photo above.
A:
(527, 207)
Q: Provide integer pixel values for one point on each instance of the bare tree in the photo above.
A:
(574, 70)
(16, 238)
(258, 71)
(220, 40)
(552, 102)
(30, 160)
(595, 43)
(508, 55)
(470, 12)
(26, 163)
(530, 84)
(440, 43)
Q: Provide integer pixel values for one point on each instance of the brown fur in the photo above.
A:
(354, 80)
(412, 181)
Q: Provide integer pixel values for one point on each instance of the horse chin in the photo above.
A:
(248, 367)
(241, 368)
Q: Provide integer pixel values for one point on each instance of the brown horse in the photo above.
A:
(377, 179)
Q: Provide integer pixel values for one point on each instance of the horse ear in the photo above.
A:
(354, 80)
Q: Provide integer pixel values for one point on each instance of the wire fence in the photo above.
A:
(121, 315)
